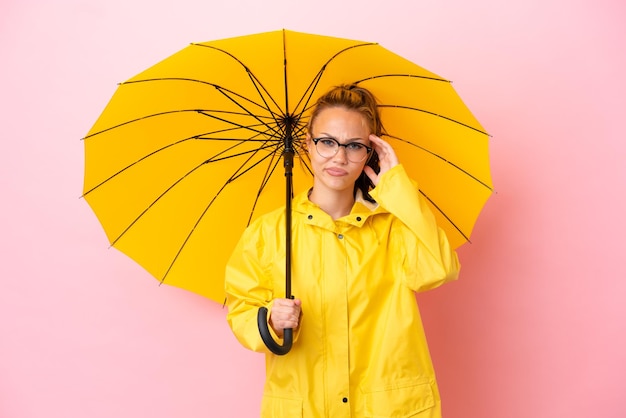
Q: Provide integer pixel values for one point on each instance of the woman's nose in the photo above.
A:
(341, 155)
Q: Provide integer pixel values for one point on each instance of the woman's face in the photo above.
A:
(337, 173)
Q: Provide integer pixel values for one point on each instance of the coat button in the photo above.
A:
(340, 236)
(358, 218)
(345, 400)
(310, 216)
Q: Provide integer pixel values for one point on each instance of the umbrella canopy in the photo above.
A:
(188, 152)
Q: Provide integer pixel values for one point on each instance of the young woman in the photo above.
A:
(364, 242)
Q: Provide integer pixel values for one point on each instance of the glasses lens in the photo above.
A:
(328, 147)
(356, 152)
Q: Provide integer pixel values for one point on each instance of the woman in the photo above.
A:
(364, 243)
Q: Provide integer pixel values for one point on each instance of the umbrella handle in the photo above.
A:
(264, 330)
(266, 336)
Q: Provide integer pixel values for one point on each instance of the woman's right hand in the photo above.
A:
(285, 313)
(387, 158)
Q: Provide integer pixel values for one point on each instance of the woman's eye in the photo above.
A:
(354, 146)
(328, 142)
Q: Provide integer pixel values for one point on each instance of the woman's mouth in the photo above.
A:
(336, 172)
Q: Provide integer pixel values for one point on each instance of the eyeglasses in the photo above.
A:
(328, 147)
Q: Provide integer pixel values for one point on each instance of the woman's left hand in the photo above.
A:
(387, 159)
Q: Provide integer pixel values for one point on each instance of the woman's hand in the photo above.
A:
(387, 159)
(285, 313)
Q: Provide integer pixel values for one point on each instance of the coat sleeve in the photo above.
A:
(247, 289)
(429, 260)
(249, 286)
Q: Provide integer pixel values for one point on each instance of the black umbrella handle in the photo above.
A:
(273, 346)
(266, 336)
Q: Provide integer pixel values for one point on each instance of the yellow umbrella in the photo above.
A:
(189, 151)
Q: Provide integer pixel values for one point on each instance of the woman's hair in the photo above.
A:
(361, 100)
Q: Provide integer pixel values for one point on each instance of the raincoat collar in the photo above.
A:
(313, 214)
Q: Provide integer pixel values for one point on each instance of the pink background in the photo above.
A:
(534, 328)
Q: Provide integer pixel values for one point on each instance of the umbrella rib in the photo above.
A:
(234, 177)
(214, 159)
(255, 81)
(155, 201)
(299, 150)
(252, 128)
(184, 243)
(216, 86)
(248, 112)
(403, 75)
(210, 160)
(249, 127)
(198, 137)
(441, 158)
(257, 84)
(272, 144)
(434, 114)
(119, 125)
(268, 174)
(285, 86)
(234, 128)
(308, 93)
(445, 216)
(204, 112)
(112, 176)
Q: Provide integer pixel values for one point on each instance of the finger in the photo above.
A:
(386, 153)
(285, 310)
(291, 322)
(283, 302)
(378, 142)
(285, 313)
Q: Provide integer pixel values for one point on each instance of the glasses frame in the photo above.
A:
(339, 144)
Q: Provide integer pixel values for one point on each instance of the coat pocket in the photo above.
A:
(276, 407)
(402, 400)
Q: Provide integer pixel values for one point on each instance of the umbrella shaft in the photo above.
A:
(288, 154)
(288, 160)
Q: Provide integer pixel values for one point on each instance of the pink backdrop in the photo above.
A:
(535, 326)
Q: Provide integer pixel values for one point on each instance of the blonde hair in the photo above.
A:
(350, 97)
(361, 100)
